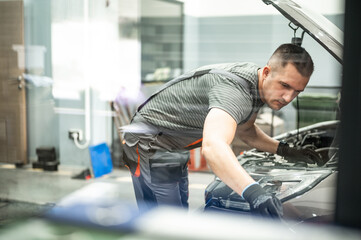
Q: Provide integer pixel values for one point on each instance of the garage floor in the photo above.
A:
(27, 191)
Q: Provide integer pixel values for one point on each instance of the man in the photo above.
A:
(204, 108)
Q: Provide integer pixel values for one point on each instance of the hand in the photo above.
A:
(298, 154)
(261, 202)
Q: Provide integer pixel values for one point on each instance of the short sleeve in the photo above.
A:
(232, 99)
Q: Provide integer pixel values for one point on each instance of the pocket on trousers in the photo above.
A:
(130, 139)
(130, 155)
(165, 172)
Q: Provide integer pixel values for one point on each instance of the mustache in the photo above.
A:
(282, 101)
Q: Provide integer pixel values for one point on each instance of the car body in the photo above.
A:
(307, 191)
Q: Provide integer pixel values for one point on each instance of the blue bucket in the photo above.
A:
(100, 159)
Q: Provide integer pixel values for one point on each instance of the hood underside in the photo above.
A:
(317, 26)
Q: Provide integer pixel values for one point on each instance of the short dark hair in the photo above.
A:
(294, 54)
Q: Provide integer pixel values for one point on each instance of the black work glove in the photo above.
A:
(263, 203)
(298, 154)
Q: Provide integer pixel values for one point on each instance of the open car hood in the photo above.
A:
(316, 25)
(306, 190)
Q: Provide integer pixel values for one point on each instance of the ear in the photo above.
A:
(266, 71)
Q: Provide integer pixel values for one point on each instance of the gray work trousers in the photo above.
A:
(158, 162)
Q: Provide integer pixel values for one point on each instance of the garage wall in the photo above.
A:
(42, 122)
(109, 60)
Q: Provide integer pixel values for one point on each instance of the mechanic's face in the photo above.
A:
(280, 87)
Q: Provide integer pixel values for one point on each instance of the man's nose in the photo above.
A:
(289, 96)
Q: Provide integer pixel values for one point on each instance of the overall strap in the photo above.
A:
(185, 76)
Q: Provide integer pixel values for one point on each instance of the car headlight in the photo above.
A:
(283, 185)
(292, 184)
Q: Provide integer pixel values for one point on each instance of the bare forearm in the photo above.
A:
(225, 165)
(255, 137)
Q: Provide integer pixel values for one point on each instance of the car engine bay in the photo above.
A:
(289, 181)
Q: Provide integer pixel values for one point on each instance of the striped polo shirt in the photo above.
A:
(184, 106)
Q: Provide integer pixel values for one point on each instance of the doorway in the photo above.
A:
(13, 137)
